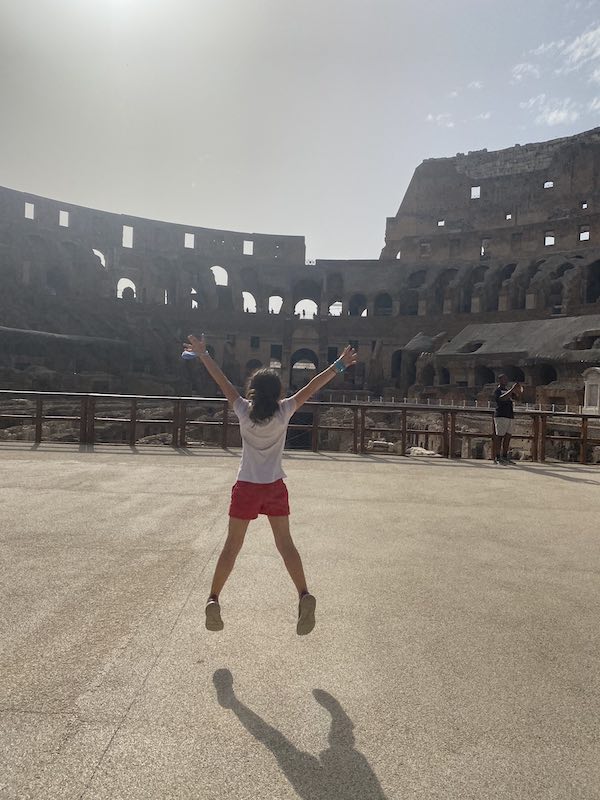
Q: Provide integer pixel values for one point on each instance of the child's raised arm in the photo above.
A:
(347, 359)
(198, 346)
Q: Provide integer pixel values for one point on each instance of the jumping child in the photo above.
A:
(264, 417)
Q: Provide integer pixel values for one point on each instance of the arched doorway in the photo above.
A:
(383, 305)
(357, 305)
(303, 366)
(126, 289)
(484, 375)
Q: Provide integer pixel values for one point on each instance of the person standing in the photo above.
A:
(504, 419)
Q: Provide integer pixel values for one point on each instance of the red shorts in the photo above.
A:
(248, 500)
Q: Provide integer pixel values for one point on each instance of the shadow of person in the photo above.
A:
(339, 773)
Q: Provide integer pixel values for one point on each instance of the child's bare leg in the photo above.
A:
(291, 557)
(231, 548)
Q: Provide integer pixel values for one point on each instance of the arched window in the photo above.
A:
(547, 374)
(383, 305)
(194, 298)
(100, 256)
(428, 375)
(514, 373)
(484, 375)
(126, 289)
(249, 302)
(275, 304)
(357, 305)
(592, 294)
(335, 309)
(220, 275)
(306, 309)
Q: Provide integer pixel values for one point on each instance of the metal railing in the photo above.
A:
(441, 422)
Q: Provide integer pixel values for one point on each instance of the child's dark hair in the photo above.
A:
(264, 392)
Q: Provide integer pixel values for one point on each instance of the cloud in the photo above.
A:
(484, 115)
(595, 76)
(594, 105)
(524, 70)
(475, 85)
(442, 120)
(548, 47)
(582, 49)
(552, 111)
(453, 94)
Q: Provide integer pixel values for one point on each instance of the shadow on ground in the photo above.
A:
(339, 773)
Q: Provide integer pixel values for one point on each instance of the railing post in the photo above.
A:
(403, 431)
(362, 429)
(446, 443)
(225, 427)
(452, 433)
(91, 421)
(584, 439)
(543, 426)
(39, 413)
(536, 437)
(83, 420)
(355, 430)
(175, 426)
(133, 422)
(315, 430)
(182, 423)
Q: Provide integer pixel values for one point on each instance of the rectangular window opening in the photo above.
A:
(29, 211)
(475, 192)
(189, 240)
(584, 233)
(276, 351)
(508, 215)
(516, 240)
(248, 247)
(63, 219)
(441, 223)
(127, 236)
(454, 247)
(548, 184)
(549, 239)
(584, 204)
(424, 249)
(255, 342)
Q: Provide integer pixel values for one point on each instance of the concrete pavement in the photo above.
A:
(455, 654)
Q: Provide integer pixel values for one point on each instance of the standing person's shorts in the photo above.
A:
(503, 426)
(248, 500)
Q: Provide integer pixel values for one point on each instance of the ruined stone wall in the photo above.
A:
(78, 271)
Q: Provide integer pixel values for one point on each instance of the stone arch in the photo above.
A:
(484, 375)
(249, 302)
(299, 373)
(444, 280)
(547, 374)
(252, 366)
(307, 289)
(275, 303)
(126, 289)
(357, 305)
(383, 305)
(443, 376)
(592, 283)
(428, 375)
(514, 373)
(220, 275)
(101, 258)
(306, 308)
(475, 277)
(336, 309)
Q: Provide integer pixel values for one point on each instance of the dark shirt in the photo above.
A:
(504, 406)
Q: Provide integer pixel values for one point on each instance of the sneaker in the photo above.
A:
(306, 614)
(213, 616)
(498, 460)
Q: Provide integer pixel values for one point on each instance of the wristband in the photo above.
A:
(339, 366)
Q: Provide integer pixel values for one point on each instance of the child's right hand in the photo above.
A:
(349, 357)
(197, 345)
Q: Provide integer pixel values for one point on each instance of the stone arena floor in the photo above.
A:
(455, 655)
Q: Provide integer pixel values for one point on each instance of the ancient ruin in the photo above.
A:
(490, 265)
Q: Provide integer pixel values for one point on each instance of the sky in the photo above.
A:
(303, 117)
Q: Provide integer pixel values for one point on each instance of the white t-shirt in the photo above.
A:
(263, 442)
